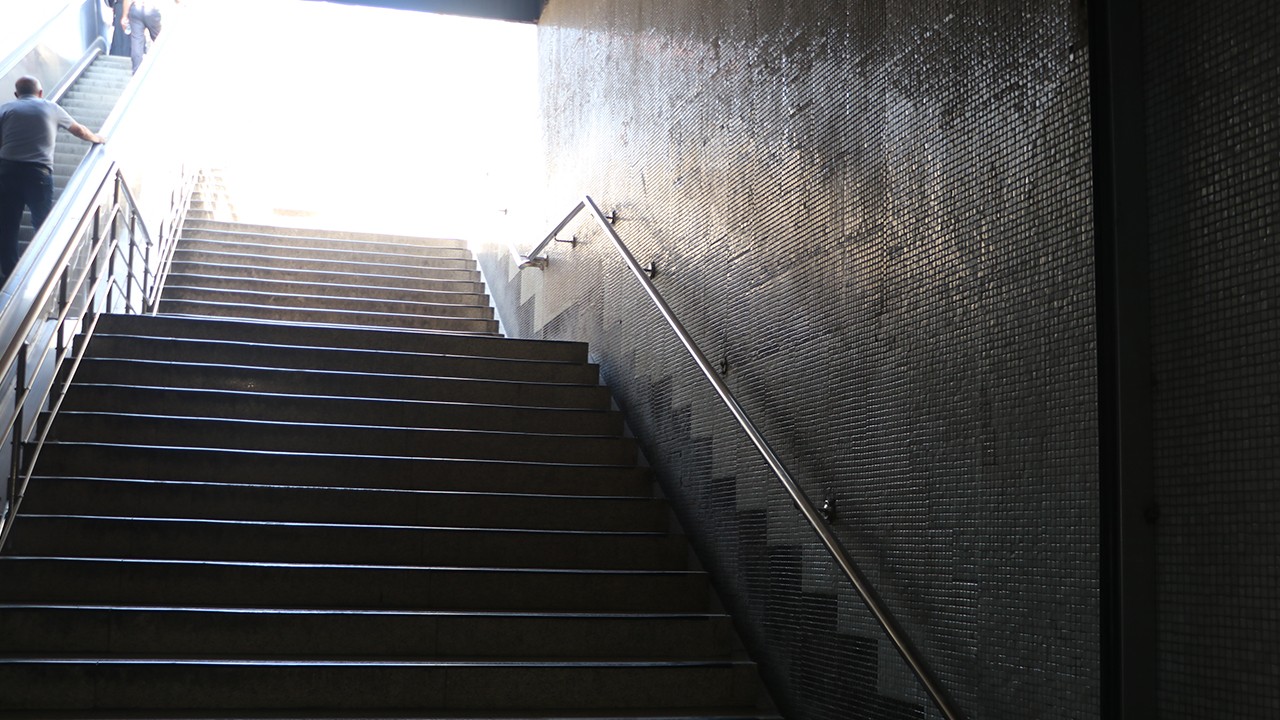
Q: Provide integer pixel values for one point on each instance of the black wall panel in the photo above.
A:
(1213, 126)
(875, 217)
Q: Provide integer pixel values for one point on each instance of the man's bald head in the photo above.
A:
(28, 85)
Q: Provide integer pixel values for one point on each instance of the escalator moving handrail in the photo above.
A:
(33, 40)
(98, 47)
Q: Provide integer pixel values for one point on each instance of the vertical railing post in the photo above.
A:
(146, 279)
(129, 271)
(62, 307)
(19, 401)
(91, 296)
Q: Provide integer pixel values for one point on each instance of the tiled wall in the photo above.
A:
(875, 218)
(1213, 124)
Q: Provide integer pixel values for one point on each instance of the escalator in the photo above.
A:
(65, 49)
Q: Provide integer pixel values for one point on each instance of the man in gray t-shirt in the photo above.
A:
(28, 131)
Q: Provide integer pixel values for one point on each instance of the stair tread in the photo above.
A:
(301, 316)
(359, 611)
(262, 298)
(261, 244)
(287, 661)
(376, 714)
(294, 524)
(355, 489)
(496, 435)
(318, 289)
(404, 376)
(249, 348)
(377, 338)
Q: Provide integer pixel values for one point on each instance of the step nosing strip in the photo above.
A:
(337, 349)
(277, 565)
(342, 373)
(501, 435)
(293, 524)
(333, 488)
(376, 612)
(314, 454)
(287, 662)
(340, 399)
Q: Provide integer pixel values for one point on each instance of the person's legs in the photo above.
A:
(10, 220)
(39, 196)
(137, 36)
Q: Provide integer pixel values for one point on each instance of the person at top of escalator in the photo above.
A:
(142, 18)
(28, 131)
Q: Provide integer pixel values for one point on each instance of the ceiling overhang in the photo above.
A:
(512, 10)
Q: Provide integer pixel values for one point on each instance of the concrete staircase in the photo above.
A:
(89, 100)
(320, 485)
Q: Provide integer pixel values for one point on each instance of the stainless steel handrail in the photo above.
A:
(91, 53)
(901, 642)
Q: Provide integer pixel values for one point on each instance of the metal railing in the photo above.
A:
(110, 263)
(93, 254)
(894, 632)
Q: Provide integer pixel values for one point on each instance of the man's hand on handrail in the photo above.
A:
(86, 134)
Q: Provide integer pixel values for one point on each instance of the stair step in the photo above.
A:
(129, 462)
(192, 684)
(321, 316)
(244, 262)
(343, 384)
(328, 317)
(199, 201)
(325, 277)
(340, 287)
(396, 362)
(407, 257)
(400, 714)
(259, 541)
(343, 439)
(350, 505)
(357, 411)
(250, 632)
(196, 232)
(174, 583)
(366, 339)
(177, 292)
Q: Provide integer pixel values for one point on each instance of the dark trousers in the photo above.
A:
(22, 185)
(143, 21)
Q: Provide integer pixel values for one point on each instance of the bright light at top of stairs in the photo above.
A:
(363, 116)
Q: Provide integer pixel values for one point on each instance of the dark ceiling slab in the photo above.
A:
(514, 10)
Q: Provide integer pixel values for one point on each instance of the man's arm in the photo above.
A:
(124, 13)
(86, 134)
